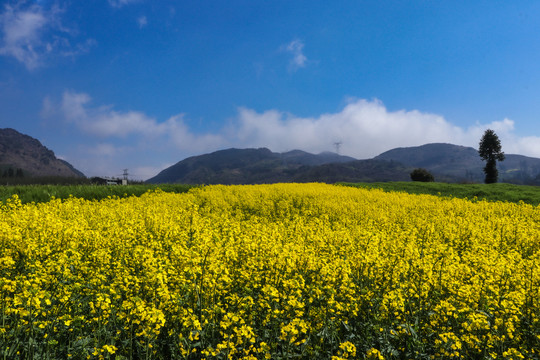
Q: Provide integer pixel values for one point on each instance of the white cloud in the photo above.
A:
(31, 34)
(529, 145)
(298, 60)
(366, 128)
(142, 21)
(22, 34)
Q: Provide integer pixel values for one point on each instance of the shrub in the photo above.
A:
(422, 175)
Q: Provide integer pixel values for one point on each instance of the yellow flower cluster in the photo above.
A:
(282, 271)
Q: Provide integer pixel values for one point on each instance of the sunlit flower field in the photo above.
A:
(287, 271)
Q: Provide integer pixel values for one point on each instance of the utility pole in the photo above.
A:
(337, 145)
(125, 178)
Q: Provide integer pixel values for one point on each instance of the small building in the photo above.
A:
(108, 181)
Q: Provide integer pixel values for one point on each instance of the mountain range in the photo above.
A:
(256, 166)
(25, 156)
(447, 162)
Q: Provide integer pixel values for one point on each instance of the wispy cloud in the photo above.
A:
(295, 48)
(118, 139)
(120, 3)
(142, 21)
(366, 128)
(31, 34)
(105, 122)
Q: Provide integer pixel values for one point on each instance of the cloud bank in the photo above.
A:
(365, 128)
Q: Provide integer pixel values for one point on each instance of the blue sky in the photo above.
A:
(142, 84)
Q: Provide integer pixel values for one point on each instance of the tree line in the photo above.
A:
(13, 173)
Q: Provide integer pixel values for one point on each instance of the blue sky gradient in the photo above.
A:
(142, 84)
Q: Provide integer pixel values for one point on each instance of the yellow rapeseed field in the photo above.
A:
(286, 271)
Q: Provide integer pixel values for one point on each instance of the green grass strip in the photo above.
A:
(44, 193)
(491, 192)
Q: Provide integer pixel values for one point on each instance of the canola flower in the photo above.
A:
(282, 271)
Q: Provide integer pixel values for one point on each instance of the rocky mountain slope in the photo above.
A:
(22, 153)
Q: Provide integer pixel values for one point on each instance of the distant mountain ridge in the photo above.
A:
(257, 166)
(447, 162)
(22, 154)
(20, 151)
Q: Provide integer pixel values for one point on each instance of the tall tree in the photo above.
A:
(490, 150)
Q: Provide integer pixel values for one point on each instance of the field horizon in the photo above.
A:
(490, 192)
